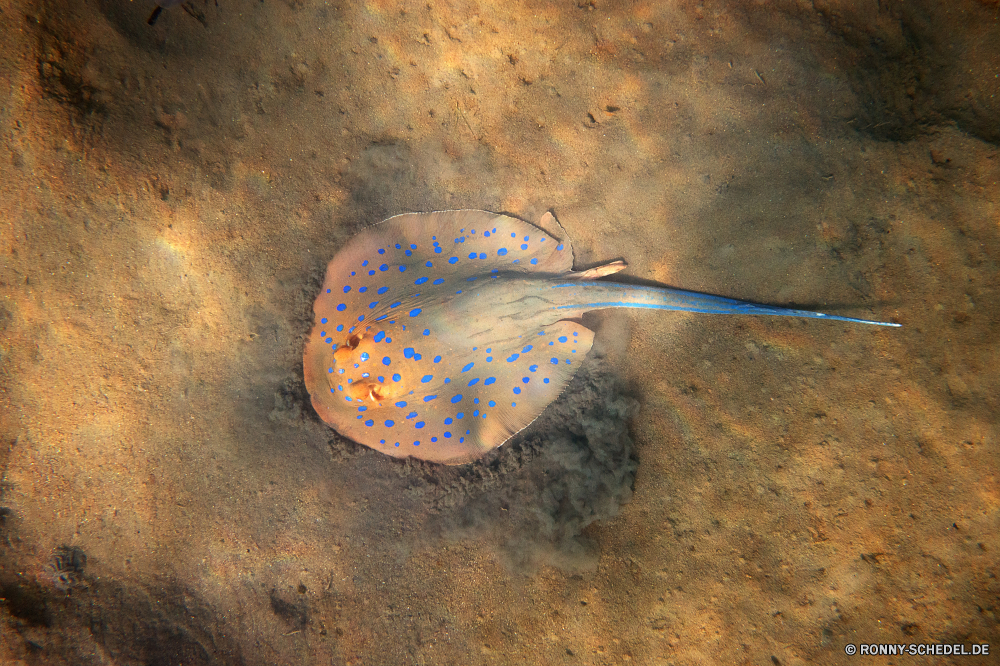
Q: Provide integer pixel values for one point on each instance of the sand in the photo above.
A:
(710, 490)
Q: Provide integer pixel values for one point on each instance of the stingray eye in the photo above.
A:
(375, 394)
(344, 351)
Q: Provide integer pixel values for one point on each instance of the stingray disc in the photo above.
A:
(432, 339)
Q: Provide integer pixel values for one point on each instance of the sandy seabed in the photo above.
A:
(710, 490)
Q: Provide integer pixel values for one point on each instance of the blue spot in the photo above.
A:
(414, 312)
(468, 367)
(398, 246)
(388, 339)
(408, 352)
(437, 250)
(420, 280)
(489, 380)
(524, 246)
(502, 251)
(369, 423)
(517, 389)
(534, 261)
(394, 304)
(532, 368)
(427, 331)
(418, 424)
(323, 320)
(546, 380)
(397, 443)
(559, 247)
(341, 307)
(438, 281)
(461, 439)
(416, 443)
(460, 415)
(428, 398)
(541, 332)
(382, 290)
(448, 421)
(396, 377)
(362, 289)
(525, 238)
(371, 306)
(389, 424)
(474, 381)
(347, 289)
(401, 403)
(486, 234)
(378, 336)
(453, 260)
(386, 361)
(411, 415)
(364, 356)
(447, 434)
(426, 378)
(447, 380)
(555, 361)
(457, 398)
(513, 235)
(429, 264)
(525, 379)
(474, 413)
(437, 359)
(409, 253)
(384, 267)
(364, 263)
(476, 400)
(402, 269)
(328, 291)
(493, 403)
(371, 273)
(526, 349)
(489, 359)
(472, 255)
(329, 340)
(361, 318)
(433, 439)
(562, 338)
(381, 379)
(513, 357)
(482, 255)
(575, 334)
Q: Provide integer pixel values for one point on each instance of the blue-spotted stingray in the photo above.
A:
(440, 335)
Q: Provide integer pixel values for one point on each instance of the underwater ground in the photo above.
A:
(709, 490)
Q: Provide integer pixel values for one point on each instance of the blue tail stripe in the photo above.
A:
(690, 301)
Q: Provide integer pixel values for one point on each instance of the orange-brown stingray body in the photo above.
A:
(440, 335)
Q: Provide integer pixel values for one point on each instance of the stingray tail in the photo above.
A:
(597, 295)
